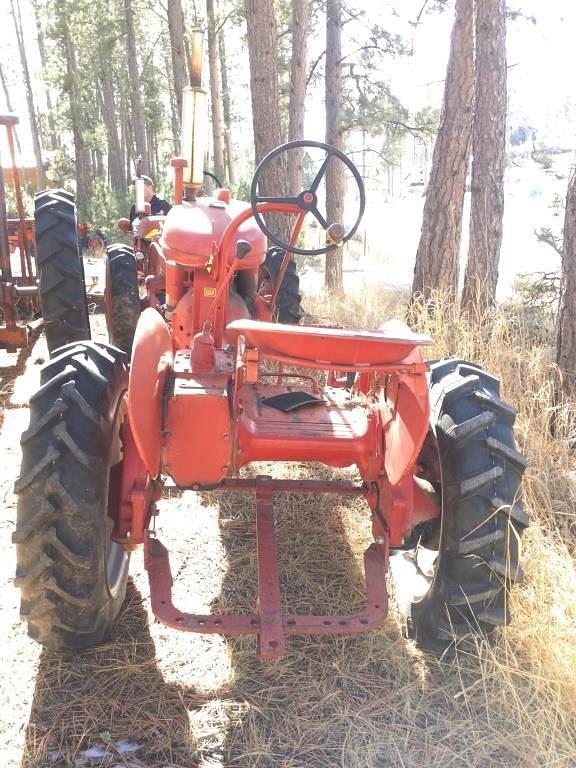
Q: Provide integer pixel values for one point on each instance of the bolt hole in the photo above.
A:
(180, 619)
(254, 622)
(273, 644)
(376, 606)
(291, 622)
(363, 621)
(201, 623)
(327, 623)
(343, 623)
(217, 622)
(162, 602)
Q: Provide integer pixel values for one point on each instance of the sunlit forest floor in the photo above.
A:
(156, 697)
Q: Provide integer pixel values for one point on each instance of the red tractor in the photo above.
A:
(209, 390)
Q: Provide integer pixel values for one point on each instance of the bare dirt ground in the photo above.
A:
(155, 697)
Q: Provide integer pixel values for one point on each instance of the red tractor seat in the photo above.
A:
(327, 347)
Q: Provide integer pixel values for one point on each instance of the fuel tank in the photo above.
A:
(193, 230)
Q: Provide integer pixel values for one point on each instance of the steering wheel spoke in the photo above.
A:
(319, 218)
(280, 200)
(322, 170)
(307, 201)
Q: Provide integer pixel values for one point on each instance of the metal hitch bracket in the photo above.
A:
(269, 623)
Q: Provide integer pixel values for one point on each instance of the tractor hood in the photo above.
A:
(192, 231)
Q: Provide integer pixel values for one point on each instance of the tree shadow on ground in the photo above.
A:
(321, 704)
(111, 693)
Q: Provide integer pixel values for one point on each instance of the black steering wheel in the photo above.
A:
(307, 200)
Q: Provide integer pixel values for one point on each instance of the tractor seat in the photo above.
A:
(329, 347)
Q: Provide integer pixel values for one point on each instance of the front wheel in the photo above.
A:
(122, 297)
(71, 575)
(288, 307)
(60, 269)
(453, 579)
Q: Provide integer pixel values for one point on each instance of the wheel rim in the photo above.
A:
(116, 557)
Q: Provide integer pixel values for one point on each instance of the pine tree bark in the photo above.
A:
(109, 111)
(335, 184)
(227, 111)
(82, 157)
(34, 128)
(300, 16)
(566, 348)
(215, 93)
(488, 159)
(176, 29)
(54, 138)
(438, 255)
(138, 120)
(261, 25)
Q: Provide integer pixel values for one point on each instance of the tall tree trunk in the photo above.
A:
(124, 144)
(261, 25)
(438, 255)
(175, 118)
(34, 129)
(300, 16)
(566, 349)
(229, 159)
(177, 48)
(115, 164)
(335, 184)
(215, 92)
(488, 158)
(138, 120)
(9, 104)
(54, 137)
(81, 150)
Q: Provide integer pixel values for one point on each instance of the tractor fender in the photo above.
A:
(152, 359)
(408, 427)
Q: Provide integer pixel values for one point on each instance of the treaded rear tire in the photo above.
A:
(478, 543)
(72, 577)
(288, 301)
(124, 299)
(60, 269)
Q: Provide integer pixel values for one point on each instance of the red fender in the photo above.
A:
(152, 358)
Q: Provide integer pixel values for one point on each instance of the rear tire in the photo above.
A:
(288, 306)
(60, 269)
(72, 577)
(123, 298)
(455, 582)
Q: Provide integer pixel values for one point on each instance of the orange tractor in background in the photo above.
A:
(210, 387)
(42, 271)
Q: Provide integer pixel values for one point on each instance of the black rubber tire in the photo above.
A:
(72, 577)
(478, 538)
(124, 301)
(60, 269)
(288, 302)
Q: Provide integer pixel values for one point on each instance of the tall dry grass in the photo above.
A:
(522, 691)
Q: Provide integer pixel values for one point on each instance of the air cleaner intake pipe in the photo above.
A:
(194, 119)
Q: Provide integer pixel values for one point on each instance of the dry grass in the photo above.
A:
(371, 700)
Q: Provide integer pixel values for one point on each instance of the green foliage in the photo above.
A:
(543, 159)
(27, 201)
(106, 207)
(539, 290)
(242, 190)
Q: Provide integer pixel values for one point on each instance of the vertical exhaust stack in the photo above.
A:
(194, 120)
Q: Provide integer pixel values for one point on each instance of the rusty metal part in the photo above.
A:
(271, 635)
(11, 334)
(269, 623)
(25, 255)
